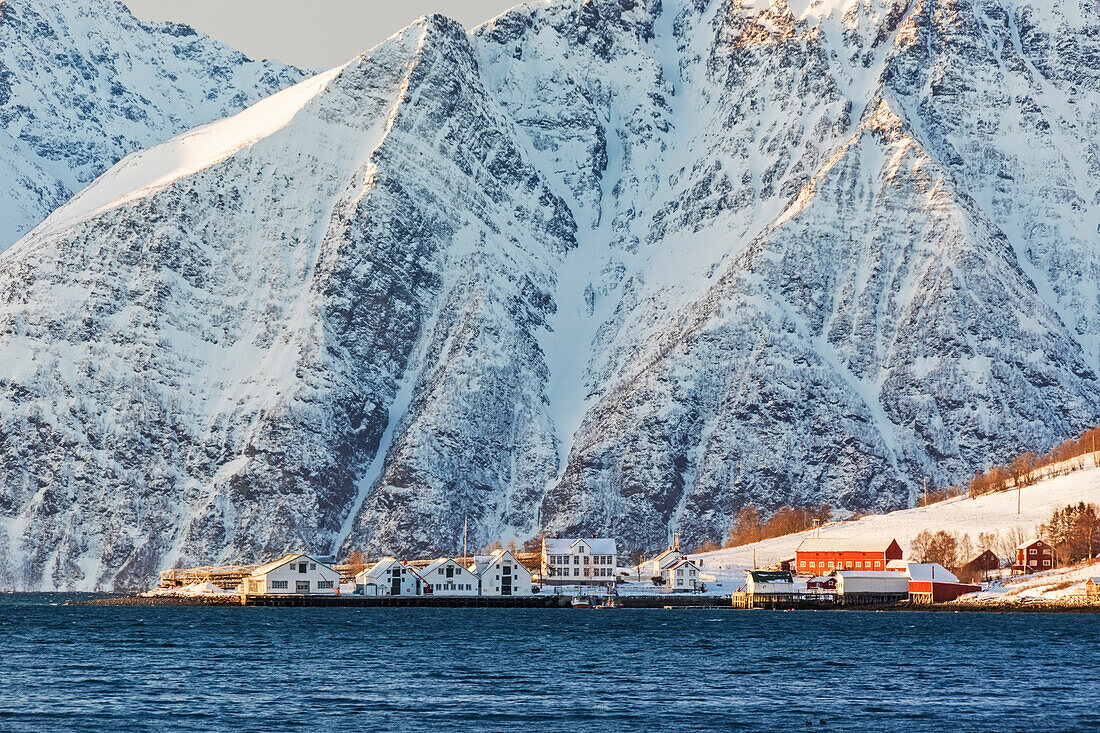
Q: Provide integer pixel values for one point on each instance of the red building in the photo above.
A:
(933, 583)
(818, 556)
(980, 566)
(1033, 556)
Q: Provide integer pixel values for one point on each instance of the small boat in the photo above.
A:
(582, 602)
(610, 603)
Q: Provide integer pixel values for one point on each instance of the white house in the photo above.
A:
(293, 573)
(445, 577)
(501, 574)
(389, 577)
(655, 567)
(579, 561)
(683, 575)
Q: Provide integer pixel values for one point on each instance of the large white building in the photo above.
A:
(501, 574)
(446, 577)
(389, 577)
(579, 561)
(293, 573)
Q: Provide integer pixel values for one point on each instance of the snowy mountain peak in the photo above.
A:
(83, 84)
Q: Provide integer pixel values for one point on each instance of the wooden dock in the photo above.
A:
(786, 601)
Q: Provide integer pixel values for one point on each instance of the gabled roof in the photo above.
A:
(1094, 581)
(685, 561)
(438, 563)
(378, 568)
(289, 557)
(845, 544)
(597, 546)
(1028, 543)
(770, 576)
(925, 571)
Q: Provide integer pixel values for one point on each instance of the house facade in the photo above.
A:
(389, 577)
(769, 582)
(293, 573)
(683, 575)
(446, 577)
(984, 563)
(579, 561)
(821, 556)
(501, 574)
(1033, 556)
(656, 567)
(1092, 587)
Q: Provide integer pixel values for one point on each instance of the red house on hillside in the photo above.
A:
(818, 556)
(1033, 556)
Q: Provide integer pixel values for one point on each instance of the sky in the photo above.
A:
(310, 33)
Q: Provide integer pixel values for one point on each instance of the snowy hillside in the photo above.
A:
(84, 83)
(960, 515)
(615, 266)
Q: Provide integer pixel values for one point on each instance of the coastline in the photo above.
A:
(561, 601)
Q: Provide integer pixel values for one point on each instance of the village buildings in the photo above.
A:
(683, 575)
(1092, 587)
(293, 573)
(446, 577)
(579, 561)
(819, 556)
(501, 574)
(389, 577)
(1033, 556)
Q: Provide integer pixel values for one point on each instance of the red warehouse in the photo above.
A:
(1033, 556)
(817, 556)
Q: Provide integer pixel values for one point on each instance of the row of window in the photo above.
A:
(456, 586)
(588, 573)
(302, 566)
(859, 565)
(284, 584)
(1036, 552)
(596, 559)
(451, 571)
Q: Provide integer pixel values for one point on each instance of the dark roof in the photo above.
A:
(771, 576)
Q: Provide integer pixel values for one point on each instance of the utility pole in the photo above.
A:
(926, 491)
(464, 523)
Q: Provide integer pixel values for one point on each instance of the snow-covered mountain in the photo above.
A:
(84, 83)
(596, 266)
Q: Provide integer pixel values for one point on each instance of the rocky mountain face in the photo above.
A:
(84, 83)
(600, 266)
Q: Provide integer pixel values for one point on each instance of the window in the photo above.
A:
(279, 584)
(1034, 551)
(878, 564)
(576, 561)
(830, 565)
(324, 584)
(301, 567)
(1046, 563)
(576, 572)
(586, 559)
(803, 563)
(859, 565)
(581, 549)
(313, 566)
(441, 571)
(814, 564)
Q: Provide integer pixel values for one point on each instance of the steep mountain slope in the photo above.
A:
(83, 84)
(603, 266)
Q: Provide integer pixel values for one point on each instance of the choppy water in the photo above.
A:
(141, 668)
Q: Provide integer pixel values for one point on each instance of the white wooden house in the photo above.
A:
(446, 577)
(579, 561)
(389, 577)
(501, 574)
(293, 573)
(769, 582)
(683, 575)
(656, 567)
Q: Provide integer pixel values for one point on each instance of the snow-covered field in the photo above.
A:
(1062, 584)
(989, 513)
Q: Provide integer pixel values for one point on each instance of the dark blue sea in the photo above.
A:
(89, 668)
